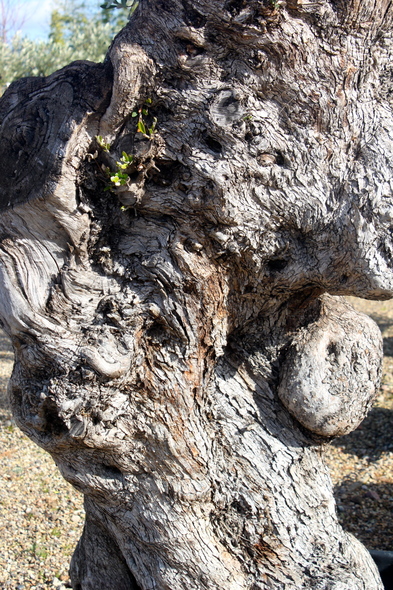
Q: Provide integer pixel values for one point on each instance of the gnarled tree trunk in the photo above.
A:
(181, 347)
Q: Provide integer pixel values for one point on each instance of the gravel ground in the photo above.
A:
(41, 516)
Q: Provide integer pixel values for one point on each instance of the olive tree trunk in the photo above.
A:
(177, 227)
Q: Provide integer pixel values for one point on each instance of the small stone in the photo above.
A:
(373, 495)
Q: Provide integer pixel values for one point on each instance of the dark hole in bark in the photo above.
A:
(190, 288)
(53, 423)
(248, 289)
(344, 279)
(166, 173)
(134, 175)
(186, 46)
(336, 4)
(241, 507)
(234, 7)
(111, 471)
(277, 264)
(228, 101)
(157, 333)
(280, 160)
(332, 349)
(192, 16)
(213, 144)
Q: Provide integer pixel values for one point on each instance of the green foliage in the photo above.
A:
(125, 161)
(76, 32)
(131, 5)
(101, 142)
(119, 171)
(276, 4)
(142, 126)
(120, 177)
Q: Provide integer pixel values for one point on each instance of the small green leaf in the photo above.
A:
(141, 127)
(134, 114)
(119, 179)
(149, 101)
(129, 158)
(145, 112)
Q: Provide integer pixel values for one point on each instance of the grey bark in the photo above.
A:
(182, 349)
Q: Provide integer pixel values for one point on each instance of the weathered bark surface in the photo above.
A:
(185, 358)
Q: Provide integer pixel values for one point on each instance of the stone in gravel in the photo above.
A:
(373, 495)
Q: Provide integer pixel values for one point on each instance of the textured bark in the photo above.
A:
(181, 346)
